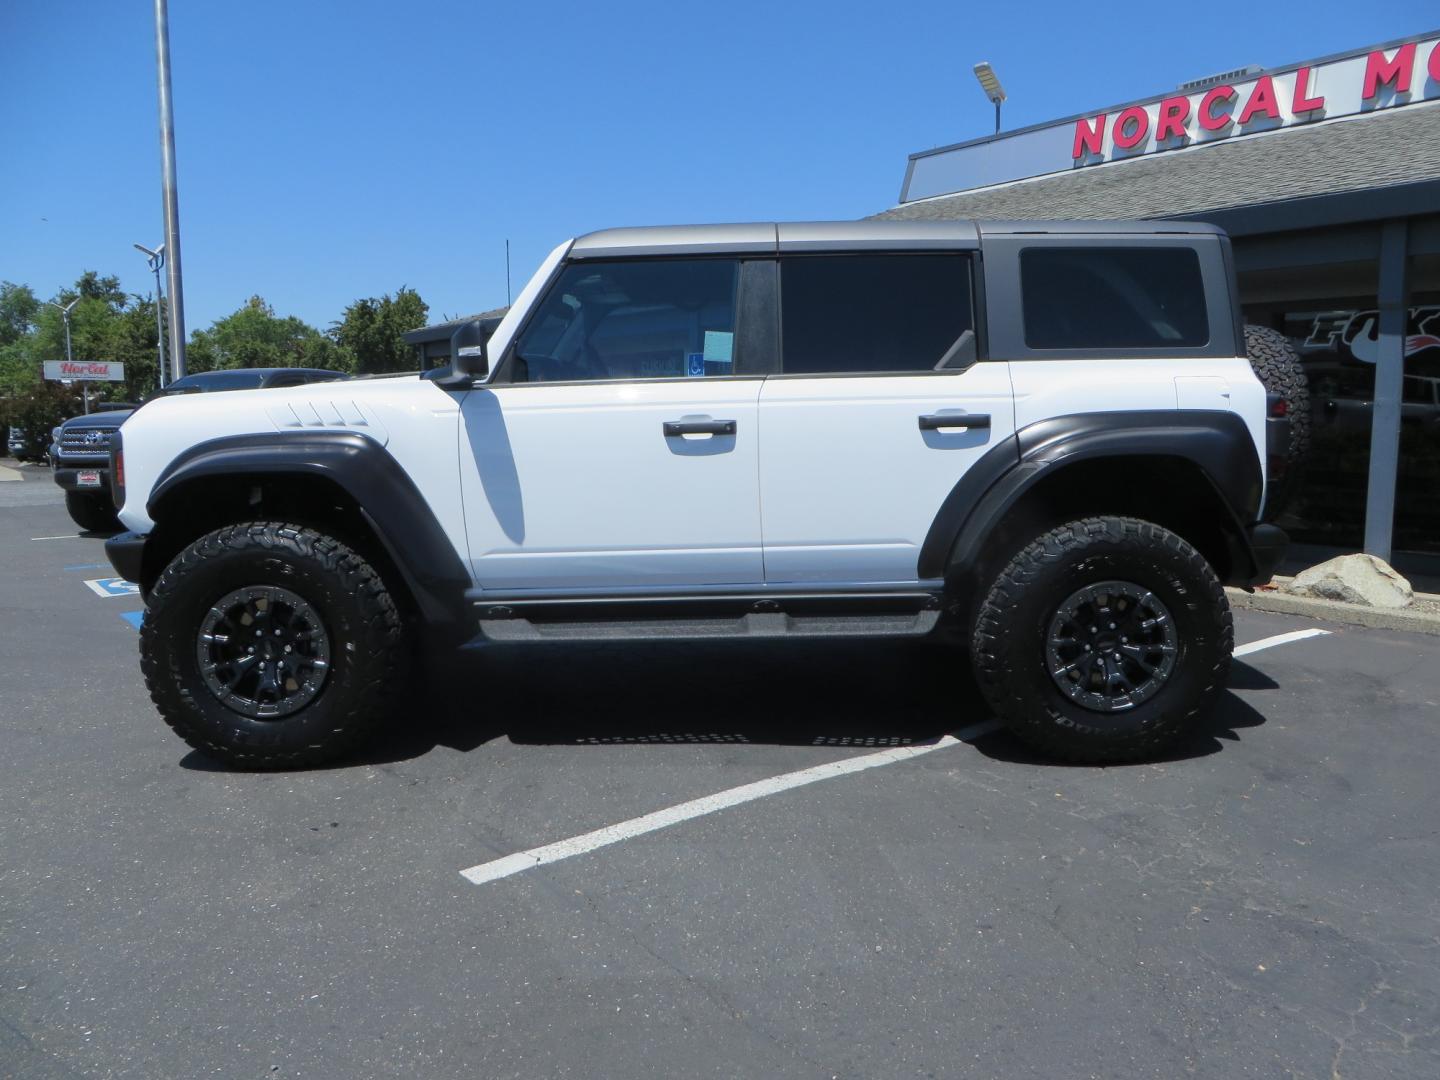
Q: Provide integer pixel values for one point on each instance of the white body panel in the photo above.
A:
(414, 419)
(849, 484)
(575, 486)
(1047, 388)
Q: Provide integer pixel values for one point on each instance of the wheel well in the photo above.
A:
(206, 503)
(1172, 492)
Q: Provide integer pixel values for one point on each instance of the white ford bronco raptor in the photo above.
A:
(1044, 435)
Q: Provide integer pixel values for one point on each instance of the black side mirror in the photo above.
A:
(467, 351)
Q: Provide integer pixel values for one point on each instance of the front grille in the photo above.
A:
(85, 443)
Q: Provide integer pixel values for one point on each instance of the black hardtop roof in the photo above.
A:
(871, 234)
(264, 371)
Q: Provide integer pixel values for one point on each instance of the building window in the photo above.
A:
(1113, 298)
(1331, 316)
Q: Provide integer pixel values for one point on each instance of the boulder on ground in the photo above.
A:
(1354, 579)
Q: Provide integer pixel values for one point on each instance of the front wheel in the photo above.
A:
(1105, 639)
(270, 645)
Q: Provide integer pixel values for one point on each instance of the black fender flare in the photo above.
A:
(385, 496)
(1216, 441)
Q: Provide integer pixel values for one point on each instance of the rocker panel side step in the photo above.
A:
(753, 625)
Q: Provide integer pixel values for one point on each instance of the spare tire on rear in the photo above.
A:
(1277, 365)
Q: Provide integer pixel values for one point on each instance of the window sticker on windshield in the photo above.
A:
(694, 364)
(719, 346)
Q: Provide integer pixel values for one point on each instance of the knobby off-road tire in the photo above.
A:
(365, 655)
(1277, 365)
(1016, 663)
(93, 513)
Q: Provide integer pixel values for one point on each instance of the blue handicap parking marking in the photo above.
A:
(113, 586)
(134, 618)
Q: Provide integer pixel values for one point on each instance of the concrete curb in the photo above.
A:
(1417, 622)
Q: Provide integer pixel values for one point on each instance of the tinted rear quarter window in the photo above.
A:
(1113, 298)
(875, 313)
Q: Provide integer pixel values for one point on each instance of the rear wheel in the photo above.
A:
(1106, 639)
(93, 513)
(270, 645)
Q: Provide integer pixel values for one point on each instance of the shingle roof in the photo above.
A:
(1347, 155)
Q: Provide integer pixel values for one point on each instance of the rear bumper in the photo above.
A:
(68, 477)
(126, 553)
(1267, 548)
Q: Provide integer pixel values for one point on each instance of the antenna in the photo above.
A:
(507, 271)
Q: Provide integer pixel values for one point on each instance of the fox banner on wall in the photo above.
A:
(85, 370)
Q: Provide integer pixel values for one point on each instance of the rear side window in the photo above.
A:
(1113, 298)
(876, 313)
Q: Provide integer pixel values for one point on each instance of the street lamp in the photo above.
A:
(70, 359)
(156, 259)
(990, 83)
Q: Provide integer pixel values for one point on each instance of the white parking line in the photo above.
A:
(722, 800)
(67, 536)
(1278, 639)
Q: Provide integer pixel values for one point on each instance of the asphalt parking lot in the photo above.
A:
(1264, 904)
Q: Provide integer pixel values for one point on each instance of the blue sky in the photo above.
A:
(331, 150)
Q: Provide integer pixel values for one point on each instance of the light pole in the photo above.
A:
(169, 196)
(991, 85)
(156, 259)
(69, 358)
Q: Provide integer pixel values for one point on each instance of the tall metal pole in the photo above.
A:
(172, 204)
(70, 357)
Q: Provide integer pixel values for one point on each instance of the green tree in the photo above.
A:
(106, 324)
(37, 408)
(371, 331)
(254, 336)
(18, 307)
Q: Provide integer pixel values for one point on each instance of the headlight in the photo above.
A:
(55, 433)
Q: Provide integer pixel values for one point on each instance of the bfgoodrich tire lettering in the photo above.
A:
(1009, 642)
(366, 648)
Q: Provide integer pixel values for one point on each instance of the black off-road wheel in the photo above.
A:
(269, 645)
(1104, 640)
(93, 513)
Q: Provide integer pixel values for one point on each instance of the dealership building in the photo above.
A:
(1326, 174)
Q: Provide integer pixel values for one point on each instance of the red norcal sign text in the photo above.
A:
(1220, 111)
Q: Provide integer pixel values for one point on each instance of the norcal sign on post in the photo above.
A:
(85, 370)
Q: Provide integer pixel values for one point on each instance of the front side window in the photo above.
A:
(642, 319)
(876, 313)
(1113, 298)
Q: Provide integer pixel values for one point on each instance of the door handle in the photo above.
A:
(936, 421)
(676, 428)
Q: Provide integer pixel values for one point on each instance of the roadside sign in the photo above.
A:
(85, 370)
